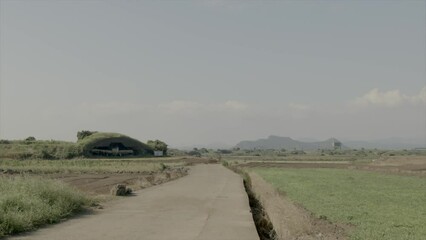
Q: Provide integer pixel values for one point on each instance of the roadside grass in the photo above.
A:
(380, 206)
(80, 166)
(28, 202)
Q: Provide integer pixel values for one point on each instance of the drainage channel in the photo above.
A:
(264, 227)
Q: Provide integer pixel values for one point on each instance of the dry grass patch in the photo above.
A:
(28, 202)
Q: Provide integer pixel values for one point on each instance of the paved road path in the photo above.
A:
(210, 203)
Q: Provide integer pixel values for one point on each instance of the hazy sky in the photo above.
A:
(199, 72)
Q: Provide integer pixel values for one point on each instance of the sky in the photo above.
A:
(213, 72)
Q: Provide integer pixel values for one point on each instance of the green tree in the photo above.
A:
(158, 145)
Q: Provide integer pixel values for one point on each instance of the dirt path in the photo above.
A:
(209, 203)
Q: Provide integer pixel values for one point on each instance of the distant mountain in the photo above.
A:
(276, 142)
(214, 146)
(305, 139)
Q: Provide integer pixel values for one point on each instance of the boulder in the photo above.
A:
(120, 190)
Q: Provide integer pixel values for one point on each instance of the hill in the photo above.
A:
(276, 142)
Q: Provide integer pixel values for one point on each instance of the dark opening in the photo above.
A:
(113, 149)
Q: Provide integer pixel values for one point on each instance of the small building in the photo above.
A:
(158, 153)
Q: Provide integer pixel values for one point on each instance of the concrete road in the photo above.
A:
(209, 203)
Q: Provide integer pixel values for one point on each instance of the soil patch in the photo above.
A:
(102, 183)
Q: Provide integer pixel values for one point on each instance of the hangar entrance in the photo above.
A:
(113, 149)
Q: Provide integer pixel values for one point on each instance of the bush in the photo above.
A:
(194, 153)
(84, 133)
(224, 151)
(298, 152)
(2, 141)
(30, 139)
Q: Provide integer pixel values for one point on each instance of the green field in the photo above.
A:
(29, 202)
(80, 165)
(38, 149)
(380, 206)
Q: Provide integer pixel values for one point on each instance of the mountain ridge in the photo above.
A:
(277, 142)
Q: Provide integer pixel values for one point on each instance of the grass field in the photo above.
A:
(380, 206)
(40, 149)
(80, 165)
(28, 202)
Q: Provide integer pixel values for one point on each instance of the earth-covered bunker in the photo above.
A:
(113, 144)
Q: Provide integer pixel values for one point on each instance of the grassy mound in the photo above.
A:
(102, 138)
(29, 202)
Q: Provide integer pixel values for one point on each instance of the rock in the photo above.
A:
(120, 190)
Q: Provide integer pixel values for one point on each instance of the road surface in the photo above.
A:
(208, 204)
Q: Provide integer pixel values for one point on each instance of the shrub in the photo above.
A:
(30, 139)
(194, 153)
(224, 151)
(84, 133)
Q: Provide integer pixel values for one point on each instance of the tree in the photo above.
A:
(157, 145)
